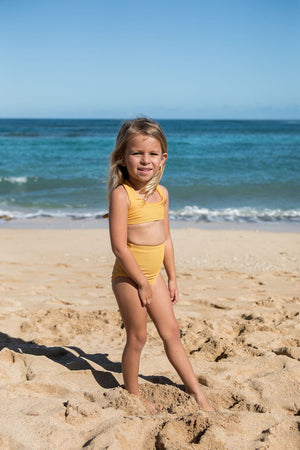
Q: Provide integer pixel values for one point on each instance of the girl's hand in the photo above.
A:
(145, 293)
(172, 285)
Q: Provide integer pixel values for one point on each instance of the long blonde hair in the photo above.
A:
(117, 171)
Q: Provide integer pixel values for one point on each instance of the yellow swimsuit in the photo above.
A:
(149, 257)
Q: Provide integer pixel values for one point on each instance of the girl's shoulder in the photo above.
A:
(164, 191)
(162, 187)
(119, 193)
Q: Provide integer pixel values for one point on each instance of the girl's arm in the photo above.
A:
(118, 211)
(169, 259)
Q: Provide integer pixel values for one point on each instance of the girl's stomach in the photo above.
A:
(149, 233)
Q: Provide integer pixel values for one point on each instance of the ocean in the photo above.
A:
(237, 171)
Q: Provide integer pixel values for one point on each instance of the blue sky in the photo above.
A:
(164, 59)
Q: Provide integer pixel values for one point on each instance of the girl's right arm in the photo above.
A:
(118, 211)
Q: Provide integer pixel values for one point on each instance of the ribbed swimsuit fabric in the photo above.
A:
(149, 257)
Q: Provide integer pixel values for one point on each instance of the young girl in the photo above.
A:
(141, 241)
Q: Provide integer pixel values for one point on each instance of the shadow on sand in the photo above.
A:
(73, 358)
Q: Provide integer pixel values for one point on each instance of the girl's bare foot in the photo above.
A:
(202, 401)
(151, 407)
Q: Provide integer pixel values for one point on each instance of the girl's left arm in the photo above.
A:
(169, 259)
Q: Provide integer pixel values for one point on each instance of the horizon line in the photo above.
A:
(157, 118)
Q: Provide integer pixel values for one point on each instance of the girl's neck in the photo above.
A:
(138, 187)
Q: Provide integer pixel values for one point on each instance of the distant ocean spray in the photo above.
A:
(217, 171)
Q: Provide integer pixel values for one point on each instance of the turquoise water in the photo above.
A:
(238, 171)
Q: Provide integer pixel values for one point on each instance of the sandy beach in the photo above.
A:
(62, 340)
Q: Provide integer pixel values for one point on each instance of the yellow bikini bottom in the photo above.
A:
(149, 258)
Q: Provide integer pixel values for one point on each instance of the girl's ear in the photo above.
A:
(163, 159)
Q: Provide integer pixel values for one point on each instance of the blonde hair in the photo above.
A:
(117, 171)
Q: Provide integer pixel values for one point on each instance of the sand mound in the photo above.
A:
(256, 389)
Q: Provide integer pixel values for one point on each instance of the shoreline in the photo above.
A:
(86, 223)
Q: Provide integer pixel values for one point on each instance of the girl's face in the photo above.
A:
(143, 159)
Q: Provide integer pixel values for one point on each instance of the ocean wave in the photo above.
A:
(15, 180)
(42, 214)
(245, 214)
(10, 184)
(189, 214)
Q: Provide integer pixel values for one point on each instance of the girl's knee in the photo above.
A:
(137, 340)
(171, 333)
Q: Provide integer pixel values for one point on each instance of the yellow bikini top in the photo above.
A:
(141, 211)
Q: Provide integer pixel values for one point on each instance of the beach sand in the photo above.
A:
(62, 340)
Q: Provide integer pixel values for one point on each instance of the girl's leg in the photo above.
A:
(162, 314)
(134, 317)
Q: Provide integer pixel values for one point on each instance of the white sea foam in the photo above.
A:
(245, 214)
(16, 180)
(189, 214)
(19, 215)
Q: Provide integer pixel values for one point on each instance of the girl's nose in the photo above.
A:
(145, 159)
